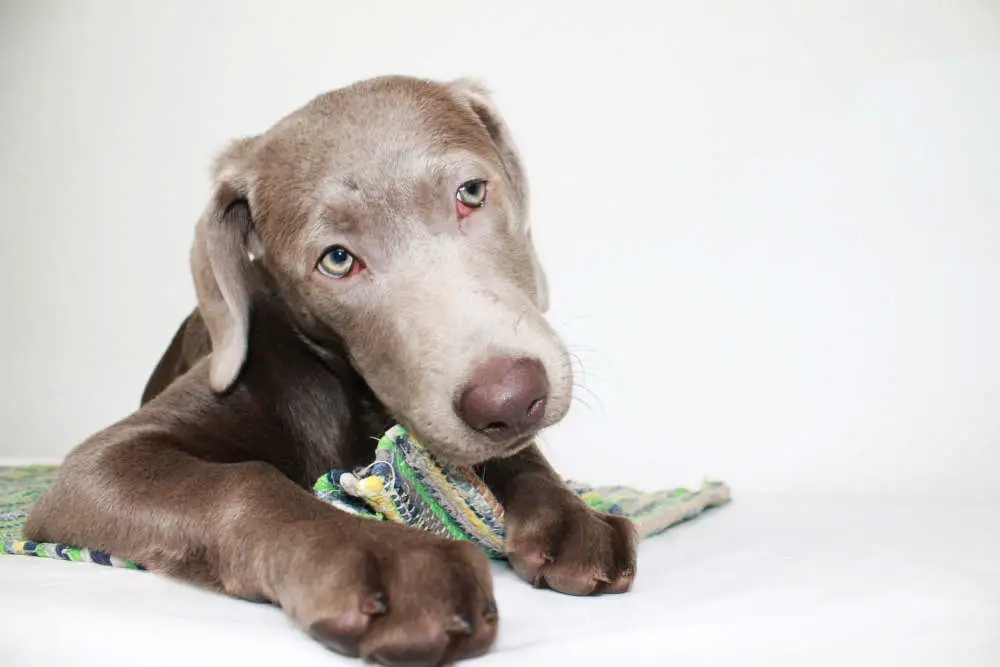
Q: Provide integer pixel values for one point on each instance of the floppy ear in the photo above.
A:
(480, 101)
(222, 267)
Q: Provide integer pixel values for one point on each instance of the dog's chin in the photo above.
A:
(473, 450)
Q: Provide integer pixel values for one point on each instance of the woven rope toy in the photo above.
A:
(406, 484)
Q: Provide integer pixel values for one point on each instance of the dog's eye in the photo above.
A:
(472, 194)
(338, 262)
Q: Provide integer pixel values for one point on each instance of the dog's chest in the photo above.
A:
(334, 423)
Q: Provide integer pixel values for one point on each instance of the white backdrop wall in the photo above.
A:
(772, 229)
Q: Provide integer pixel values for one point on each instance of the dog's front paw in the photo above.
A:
(395, 595)
(565, 545)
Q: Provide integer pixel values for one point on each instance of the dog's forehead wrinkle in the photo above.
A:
(393, 211)
(339, 215)
(382, 151)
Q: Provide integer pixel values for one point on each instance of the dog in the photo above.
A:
(365, 261)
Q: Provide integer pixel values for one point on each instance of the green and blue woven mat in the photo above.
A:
(405, 484)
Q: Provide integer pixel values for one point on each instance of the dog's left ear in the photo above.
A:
(478, 98)
(221, 265)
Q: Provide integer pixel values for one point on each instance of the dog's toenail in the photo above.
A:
(459, 624)
(374, 605)
(490, 610)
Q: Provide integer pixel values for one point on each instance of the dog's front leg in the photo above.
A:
(388, 593)
(554, 539)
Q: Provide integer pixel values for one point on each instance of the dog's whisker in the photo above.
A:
(593, 395)
(583, 403)
(582, 378)
(569, 362)
(590, 393)
(574, 319)
(585, 348)
(591, 375)
(589, 356)
(584, 351)
(583, 371)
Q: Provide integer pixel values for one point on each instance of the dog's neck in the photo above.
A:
(329, 410)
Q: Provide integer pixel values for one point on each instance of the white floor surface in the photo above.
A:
(762, 581)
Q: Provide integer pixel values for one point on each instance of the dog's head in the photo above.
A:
(391, 216)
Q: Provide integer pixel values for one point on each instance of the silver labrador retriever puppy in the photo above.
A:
(367, 260)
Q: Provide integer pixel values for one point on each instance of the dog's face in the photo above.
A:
(391, 217)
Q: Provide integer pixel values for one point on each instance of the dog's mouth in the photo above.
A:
(517, 446)
(472, 452)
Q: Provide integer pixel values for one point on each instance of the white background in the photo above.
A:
(772, 230)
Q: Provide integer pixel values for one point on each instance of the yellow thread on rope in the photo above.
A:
(371, 485)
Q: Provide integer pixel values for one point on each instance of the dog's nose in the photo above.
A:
(505, 397)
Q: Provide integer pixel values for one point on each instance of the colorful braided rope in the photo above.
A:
(405, 484)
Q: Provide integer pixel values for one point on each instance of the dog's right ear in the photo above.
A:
(480, 102)
(222, 267)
